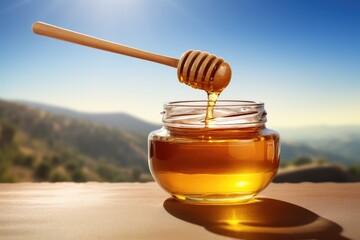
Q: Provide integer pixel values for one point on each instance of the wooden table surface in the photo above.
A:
(144, 211)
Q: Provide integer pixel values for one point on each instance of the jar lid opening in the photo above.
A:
(219, 103)
(226, 114)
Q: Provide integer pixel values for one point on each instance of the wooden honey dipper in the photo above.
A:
(197, 69)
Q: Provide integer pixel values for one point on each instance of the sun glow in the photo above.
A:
(109, 12)
(111, 7)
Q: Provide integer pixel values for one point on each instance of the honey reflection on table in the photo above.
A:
(262, 218)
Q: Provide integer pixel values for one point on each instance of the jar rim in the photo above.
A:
(225, 114)
(219, 103)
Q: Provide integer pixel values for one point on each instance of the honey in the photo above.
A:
(228, 159)
(212, 98)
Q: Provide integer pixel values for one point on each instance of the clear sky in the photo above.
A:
(300, 57)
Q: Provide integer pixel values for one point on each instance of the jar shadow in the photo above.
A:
(261, 218)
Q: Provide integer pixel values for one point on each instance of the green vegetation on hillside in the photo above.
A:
(303, 161)
(37, 146)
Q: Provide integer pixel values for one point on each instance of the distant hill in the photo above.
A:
(339, 144)
(331, 153)
(39, 142)
(309, 173)
(317, 133)
(37, 145)
(118, 120)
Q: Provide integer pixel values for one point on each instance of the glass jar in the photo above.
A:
(230, 158)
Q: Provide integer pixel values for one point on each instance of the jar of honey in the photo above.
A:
(227, 158)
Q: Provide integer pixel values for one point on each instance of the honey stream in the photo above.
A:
(212, 98)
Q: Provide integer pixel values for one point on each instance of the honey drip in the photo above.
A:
(212, 98)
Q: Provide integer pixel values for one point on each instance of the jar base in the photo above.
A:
(215, 198)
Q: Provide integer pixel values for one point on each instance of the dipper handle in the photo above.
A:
(197, 69)
(82, 39)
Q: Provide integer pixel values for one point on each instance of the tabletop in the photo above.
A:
(145, 211)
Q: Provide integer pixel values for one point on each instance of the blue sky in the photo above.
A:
(302, 58)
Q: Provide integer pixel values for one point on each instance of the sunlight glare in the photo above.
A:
(112, 10)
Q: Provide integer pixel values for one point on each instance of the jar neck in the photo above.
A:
(226, 115)
(214, 133)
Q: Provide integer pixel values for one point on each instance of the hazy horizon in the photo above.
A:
(301, 58)
(30, 103)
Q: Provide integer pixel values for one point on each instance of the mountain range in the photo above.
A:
(340, 144)
(36, 145)
(40, 142)
(117, 119)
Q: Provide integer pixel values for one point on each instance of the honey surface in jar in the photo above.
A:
(213, 165)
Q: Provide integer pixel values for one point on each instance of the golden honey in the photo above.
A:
(230, 159)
